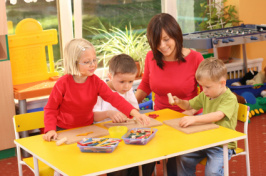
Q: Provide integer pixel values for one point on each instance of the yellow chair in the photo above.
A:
(26, 122)
(243, 112)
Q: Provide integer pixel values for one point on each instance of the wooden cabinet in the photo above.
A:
(7, 105)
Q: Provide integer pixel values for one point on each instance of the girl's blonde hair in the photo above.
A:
(211, 68)
(72, 53)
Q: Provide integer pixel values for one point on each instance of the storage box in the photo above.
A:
(142, 141)
(148, 104)
(98, 149)
(255, 90)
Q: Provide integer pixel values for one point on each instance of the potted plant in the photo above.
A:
(217, 15)
(116, 41)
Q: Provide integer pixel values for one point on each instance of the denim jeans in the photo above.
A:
(185, 165)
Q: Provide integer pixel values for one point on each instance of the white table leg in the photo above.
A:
(226, 166)
(164, 167)
(23, 110)
(36, 166)
(140, 170)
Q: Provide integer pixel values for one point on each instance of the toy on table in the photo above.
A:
(98, 145)
(139, 136)
(85, 134)
(154, 116)
(117, 131)
(170, 98)
(76, 134)
(60, 141)
(131, 123)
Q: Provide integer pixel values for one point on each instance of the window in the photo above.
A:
(41, 10)
(188, 14)
(121, 14)
(118, 13)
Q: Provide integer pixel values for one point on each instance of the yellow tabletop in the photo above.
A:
(168, 142)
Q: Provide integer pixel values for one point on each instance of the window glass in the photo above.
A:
(41, 10)
(188, 15)
(105, 14)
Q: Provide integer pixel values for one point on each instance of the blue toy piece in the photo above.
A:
(249, 97)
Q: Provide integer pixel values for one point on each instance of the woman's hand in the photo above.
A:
(49, 135)
(116, 116)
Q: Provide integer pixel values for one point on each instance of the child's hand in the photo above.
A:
(143, 119)
(190, 112)
(187, 121)
(116, 116)
(49, 135)
(176, 100)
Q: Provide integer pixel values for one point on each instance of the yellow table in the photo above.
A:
(168, 142)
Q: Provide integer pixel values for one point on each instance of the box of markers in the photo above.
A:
(139, 136)
(98, 145)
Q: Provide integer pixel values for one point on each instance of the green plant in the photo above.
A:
(59, 67)
(115, 41)
(218, 15)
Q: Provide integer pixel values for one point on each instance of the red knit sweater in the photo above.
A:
(70, 104)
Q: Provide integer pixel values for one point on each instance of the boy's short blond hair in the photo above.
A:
(122, 63)
(211, 68)
(72, 53)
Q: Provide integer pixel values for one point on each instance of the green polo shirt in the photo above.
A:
(227, 103)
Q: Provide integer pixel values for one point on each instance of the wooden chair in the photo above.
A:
(25, 122)
(243, 113)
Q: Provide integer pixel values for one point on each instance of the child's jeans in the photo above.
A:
(186, 164)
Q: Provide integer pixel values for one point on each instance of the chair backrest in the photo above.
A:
(242, 115)
(242, 112)
(28, 121)
(27, 48)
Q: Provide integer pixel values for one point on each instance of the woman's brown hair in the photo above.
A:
(166, 22)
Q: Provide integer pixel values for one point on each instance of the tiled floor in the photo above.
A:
(237, 165)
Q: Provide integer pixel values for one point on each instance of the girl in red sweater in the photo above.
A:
(75, 94)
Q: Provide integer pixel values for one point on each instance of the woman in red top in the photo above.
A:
(75, 94)
(169, 68)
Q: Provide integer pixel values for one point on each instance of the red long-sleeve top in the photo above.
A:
(70, 104)
(177, 78)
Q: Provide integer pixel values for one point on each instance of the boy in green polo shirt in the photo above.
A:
(220, 106)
